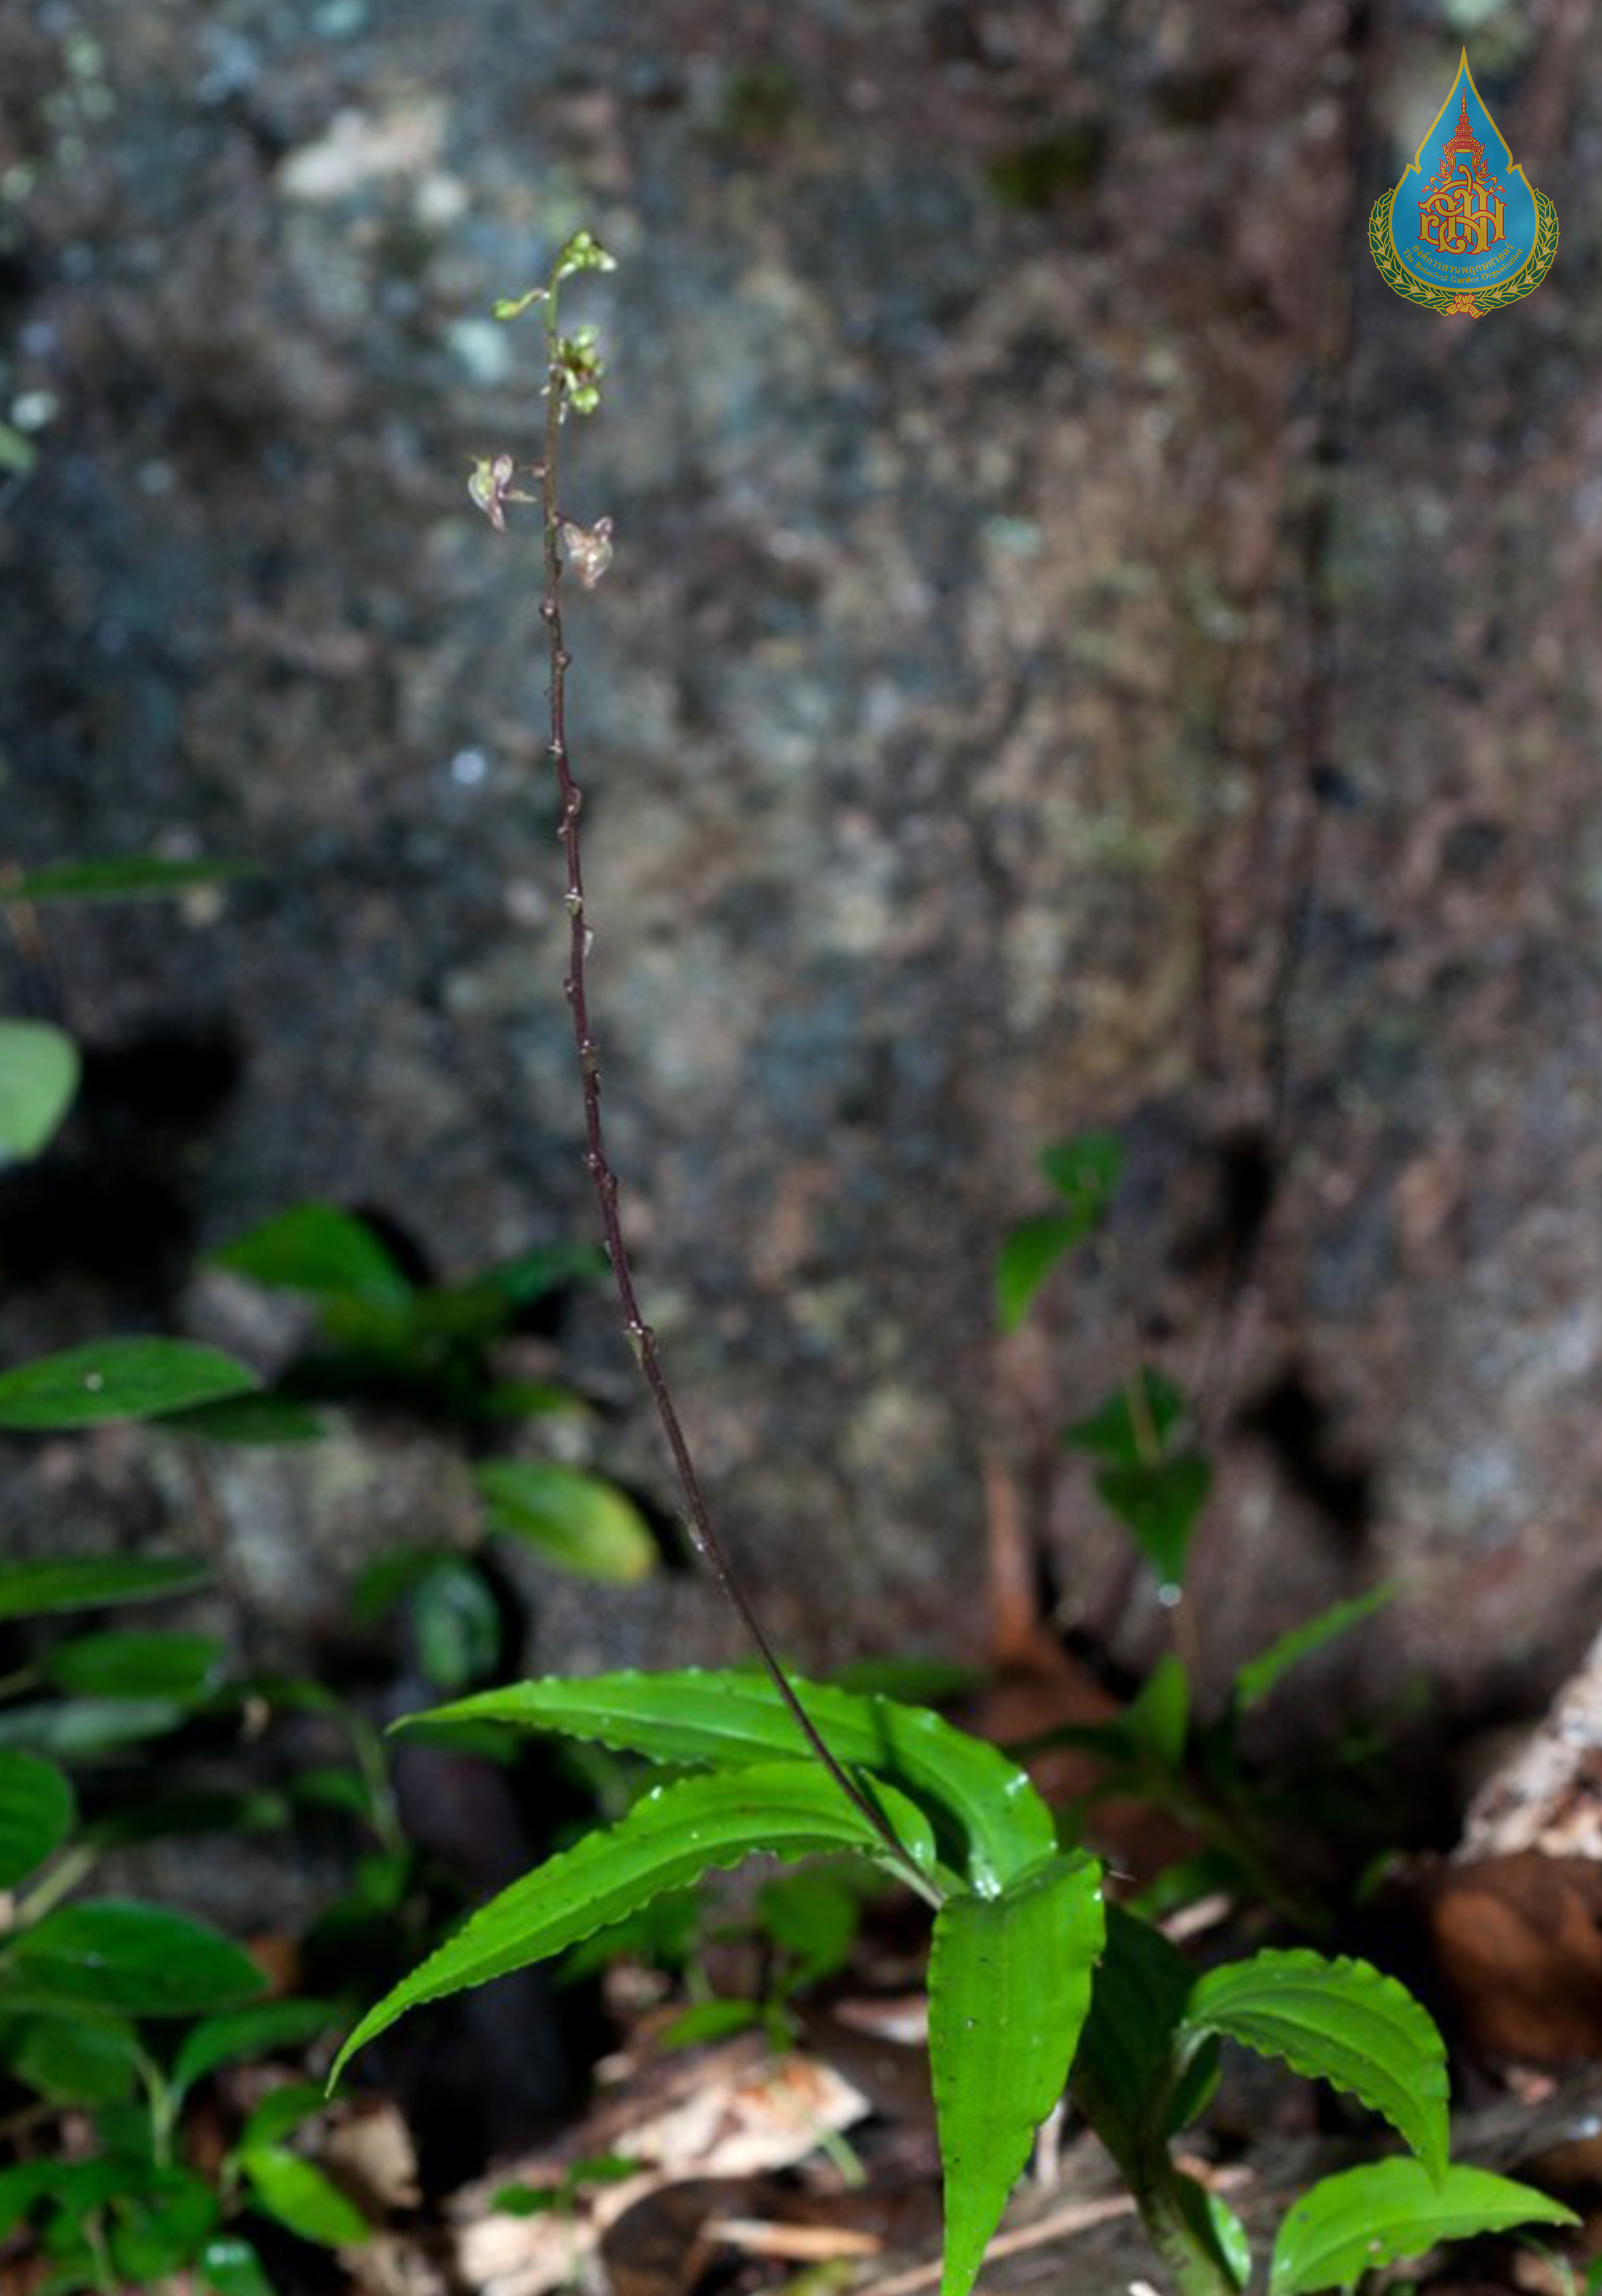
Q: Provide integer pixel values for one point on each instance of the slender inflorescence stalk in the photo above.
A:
(559, 389)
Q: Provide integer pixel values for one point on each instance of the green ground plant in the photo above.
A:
(381, 1338)
(378, 1336)
(1149, 1470)
(114, 2009)
(1036, 1985)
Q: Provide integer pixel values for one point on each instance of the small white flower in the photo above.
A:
(491, 488)
(588, 549)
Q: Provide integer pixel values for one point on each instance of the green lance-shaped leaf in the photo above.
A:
(117, 1379)
(1031, 1250)
(39, 1076)
(578, 1521)
(140, 877)
(36, 1814)
(1128, 2079)
(72, 2059)
(322, 1251)
(1009, 1984)
(1339, 2021)
(1365, 2219)
(989, 1820)
(1263, 1674)
(1138, 2080)
(120, 1954)
(1159, 1505)
(298, 2195)
(1157, 1722)
(182, 1668)
(88, 1582)
(1085, 1173)
(669, 1837)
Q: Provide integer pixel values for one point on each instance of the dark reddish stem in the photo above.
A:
(641, 1337)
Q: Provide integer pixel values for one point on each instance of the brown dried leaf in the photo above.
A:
(1518, 1944)
(718, 2113)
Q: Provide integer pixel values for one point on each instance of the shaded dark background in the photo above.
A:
(1081, 650)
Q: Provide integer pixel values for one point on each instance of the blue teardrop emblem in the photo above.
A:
(1464, 230)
